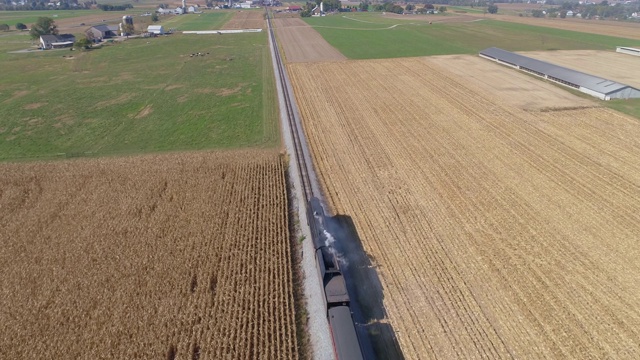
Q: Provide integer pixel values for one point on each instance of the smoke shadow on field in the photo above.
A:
(365, 290)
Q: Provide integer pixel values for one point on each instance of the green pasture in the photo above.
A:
(467, 9)
(141, 95)
(369, 36)
(629, 106)
(212, 20)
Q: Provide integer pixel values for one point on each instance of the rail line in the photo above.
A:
(302, 162)
(346, 344)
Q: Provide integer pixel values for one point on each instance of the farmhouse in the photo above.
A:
(628, 50)
(56, 41)
(595, 86)
(156, 29)
(176, 11)
(100, 32)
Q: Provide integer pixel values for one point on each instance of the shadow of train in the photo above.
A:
(365, 290)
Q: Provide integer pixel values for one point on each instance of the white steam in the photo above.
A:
(329, 242)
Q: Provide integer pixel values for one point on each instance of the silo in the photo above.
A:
(127, 19)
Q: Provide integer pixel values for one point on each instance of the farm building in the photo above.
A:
(156, 29)
(628, 50)
(601, 88)
(56, 41)
(100, 32)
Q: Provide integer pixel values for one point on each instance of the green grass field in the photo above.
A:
(629, 106)
(142, 95)
(369, 36)
(465, 9)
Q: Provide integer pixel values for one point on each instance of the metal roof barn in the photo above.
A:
(596, 86)
(628, 50)
(156, 29)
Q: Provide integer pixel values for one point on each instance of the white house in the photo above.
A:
(56, 41)
(156, 29)
(176, 11)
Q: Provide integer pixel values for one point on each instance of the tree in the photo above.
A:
(83, 43)
(21, 26)
(442, 9)
(492, 9)
(154, 17)
(364, 6)
(89, 35)
(537, 13)
(429, 6)
(409, 7)
(397, 9)
(4, 27)
(43, 26)
(128, 28)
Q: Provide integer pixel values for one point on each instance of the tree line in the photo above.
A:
(7, 5)
(602, 10)
(366, 5)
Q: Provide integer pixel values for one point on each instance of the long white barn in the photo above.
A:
(601, 88)
(628, 50)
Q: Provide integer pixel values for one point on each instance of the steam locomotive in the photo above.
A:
(345, 339)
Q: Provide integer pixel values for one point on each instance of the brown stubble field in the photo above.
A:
(610, 65)
(515, 88)
(497, 232)
(169, 256)
(302, 43)
(623, 29)
(246, 19)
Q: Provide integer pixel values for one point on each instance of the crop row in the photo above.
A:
(497, 232)
(166, 256)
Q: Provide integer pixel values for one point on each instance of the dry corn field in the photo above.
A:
(179, 256)
(497, 232)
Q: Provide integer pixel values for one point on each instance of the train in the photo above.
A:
(345, 338)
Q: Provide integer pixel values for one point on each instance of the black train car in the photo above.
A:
(335, 289)
(345, 339)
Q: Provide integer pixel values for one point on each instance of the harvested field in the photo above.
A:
(244, 19)
(301, 43)
(72, 25)
(512, 87)
(612, 28)
(497, 232)
(611, 65)
(152, 257)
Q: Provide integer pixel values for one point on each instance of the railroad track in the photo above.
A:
(295, 129)
(346, 344)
